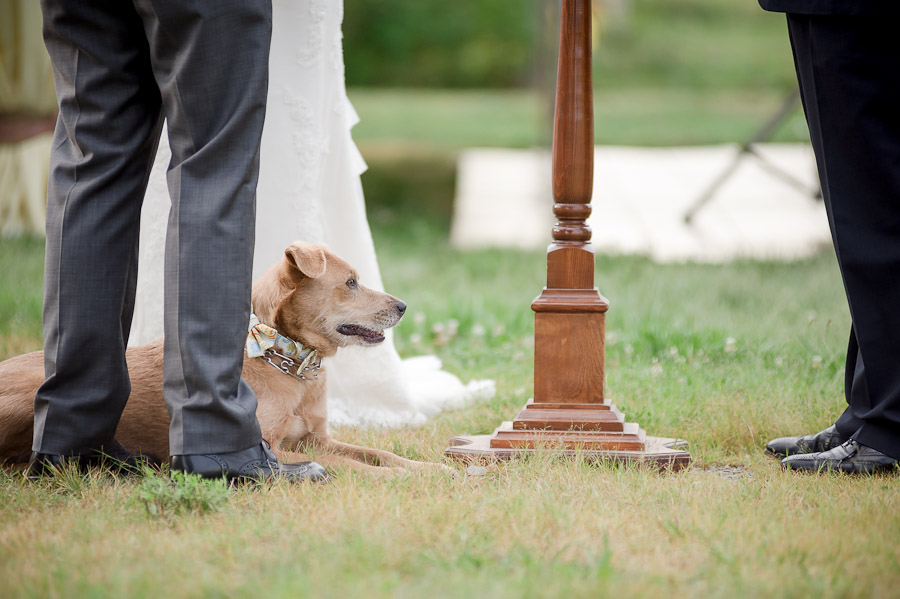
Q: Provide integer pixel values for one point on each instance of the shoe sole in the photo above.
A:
(781, 456)
(845, 468)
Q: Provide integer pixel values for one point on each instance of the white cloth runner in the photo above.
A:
(640, 198)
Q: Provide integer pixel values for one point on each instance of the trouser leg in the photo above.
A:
(848, 70)
(210, 59)
(104, 144)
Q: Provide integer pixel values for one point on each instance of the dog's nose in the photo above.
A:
(401, 308)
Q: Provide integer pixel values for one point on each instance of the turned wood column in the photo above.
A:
(569, 406)
(569, 314)
(569, 412)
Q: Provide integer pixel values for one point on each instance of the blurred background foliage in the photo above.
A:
(430, 43)
(702, 44)
(429, 79)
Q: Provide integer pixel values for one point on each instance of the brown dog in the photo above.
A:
(312, 296)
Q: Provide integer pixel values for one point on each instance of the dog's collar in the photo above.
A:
(289, 356)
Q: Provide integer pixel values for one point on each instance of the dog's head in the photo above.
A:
(316, 297)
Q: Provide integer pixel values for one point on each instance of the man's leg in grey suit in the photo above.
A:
(210, 59)
(105, 141)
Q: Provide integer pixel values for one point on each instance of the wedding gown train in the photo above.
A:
(309, 189)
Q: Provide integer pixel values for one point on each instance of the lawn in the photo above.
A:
(724, 356)
(403, 121)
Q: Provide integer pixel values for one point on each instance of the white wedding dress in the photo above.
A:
(309, 189)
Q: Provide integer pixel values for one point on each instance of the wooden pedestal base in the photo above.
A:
(596, 430)
(659, 452)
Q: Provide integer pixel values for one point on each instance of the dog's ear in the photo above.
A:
(305, 259)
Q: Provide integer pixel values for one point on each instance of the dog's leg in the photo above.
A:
(374, 457)
(337, 463)
(340, 463)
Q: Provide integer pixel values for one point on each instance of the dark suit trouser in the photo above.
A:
(120, 68)
(849, 72)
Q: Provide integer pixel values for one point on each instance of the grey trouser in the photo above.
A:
(121, 68)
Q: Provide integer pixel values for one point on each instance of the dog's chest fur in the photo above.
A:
(289, 409)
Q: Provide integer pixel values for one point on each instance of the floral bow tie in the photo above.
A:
(265, 342)
(261, 338)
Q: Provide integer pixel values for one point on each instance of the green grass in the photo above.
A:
(536, 528)
(694, 44)
(410, 121)
(22, 265)
(669, 366)
(533, 529)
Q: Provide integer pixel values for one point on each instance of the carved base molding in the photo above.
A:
(659, 452)
(598, 431)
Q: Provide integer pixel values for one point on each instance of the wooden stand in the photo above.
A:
(569, 411)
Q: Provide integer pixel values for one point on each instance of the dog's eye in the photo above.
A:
(351, 283)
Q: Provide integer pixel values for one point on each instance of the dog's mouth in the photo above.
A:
(365, 335)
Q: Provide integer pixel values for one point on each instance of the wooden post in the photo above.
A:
(569, 410)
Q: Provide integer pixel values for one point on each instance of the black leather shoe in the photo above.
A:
(111, 456)
(821, 441)
(848, 457)
(256, 463)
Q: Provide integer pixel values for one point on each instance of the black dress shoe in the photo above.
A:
(111, 456)
(256, 463)
(847, 457)
(821, 441)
